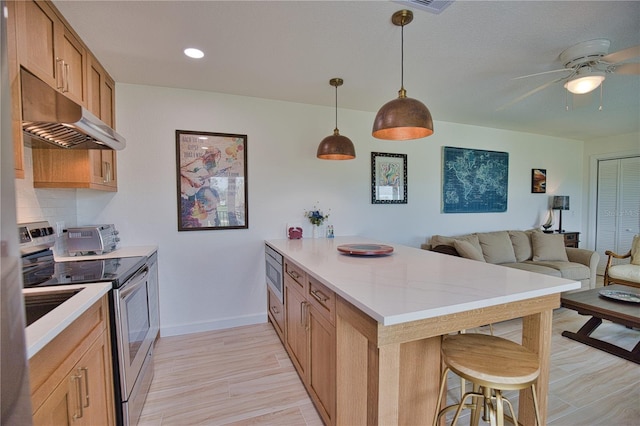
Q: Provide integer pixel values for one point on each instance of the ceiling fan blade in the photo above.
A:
(630, 68)
(542, 73)
(529, 93)
(622, 55)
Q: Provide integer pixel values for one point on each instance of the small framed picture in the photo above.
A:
(388, 178)
(538, 181)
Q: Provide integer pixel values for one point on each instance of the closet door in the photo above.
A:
(618, 214)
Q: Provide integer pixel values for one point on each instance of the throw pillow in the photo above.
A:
(497, 247)
(635, 250)
(437, 240)
(548, 247)
(521, 241)
(468, 250)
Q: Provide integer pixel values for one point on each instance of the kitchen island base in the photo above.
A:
(390, 374)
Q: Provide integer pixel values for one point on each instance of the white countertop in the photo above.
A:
(411, 283)
(131, 251)
(45, 329)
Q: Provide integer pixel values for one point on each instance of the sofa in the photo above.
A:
(532, 250)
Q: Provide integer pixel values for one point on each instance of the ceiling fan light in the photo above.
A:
(584, 83)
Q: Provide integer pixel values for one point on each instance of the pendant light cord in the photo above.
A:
(402, 57)
(336, 107)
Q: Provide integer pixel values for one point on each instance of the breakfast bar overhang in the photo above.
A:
(392, 311)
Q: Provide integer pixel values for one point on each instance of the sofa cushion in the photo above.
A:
(533, 267)
(568, 270)
(635, 250)
(437, 240)
(521, 242)
(450, 250)
(496, 247)
(548, 247)
(468, 250)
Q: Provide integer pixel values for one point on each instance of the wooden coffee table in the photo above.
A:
(590, 302)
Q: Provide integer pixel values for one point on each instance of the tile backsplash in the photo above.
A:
(54, 205)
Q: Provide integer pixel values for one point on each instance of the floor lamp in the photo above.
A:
(560, 202)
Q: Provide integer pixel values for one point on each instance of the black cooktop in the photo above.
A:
(51, 273)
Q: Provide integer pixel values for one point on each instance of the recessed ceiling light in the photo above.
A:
(194, 53)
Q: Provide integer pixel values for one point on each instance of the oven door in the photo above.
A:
(135, 330)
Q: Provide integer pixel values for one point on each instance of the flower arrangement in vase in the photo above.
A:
(316, 218)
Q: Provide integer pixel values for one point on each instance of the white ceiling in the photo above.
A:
(460, 63)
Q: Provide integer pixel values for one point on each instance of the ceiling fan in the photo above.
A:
(586, 65)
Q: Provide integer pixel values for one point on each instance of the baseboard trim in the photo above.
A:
(219, 324)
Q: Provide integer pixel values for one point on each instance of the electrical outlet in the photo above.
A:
(59, 228)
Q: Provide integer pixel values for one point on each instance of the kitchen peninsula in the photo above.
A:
(389, 313)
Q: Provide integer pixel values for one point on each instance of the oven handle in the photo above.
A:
(134, 282)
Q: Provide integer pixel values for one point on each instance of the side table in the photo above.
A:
(571, 239)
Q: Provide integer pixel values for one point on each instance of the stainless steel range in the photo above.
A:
(133, 304)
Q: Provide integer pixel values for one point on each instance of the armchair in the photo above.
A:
(625, 274)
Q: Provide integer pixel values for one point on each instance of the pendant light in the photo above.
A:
(403, 118)
(336, 146)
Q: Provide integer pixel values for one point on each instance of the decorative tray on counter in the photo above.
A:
(365, 249)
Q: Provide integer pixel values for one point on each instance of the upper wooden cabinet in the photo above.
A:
(101, 93)
(41, 41)
(50, 50)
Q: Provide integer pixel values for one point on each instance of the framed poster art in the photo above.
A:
(538, 181)
(474, 180)
(211, 181)
(388, 178)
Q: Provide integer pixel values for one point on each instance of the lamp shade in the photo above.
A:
(336, 147)
(403, 119)
(584, 82)
(561, 202)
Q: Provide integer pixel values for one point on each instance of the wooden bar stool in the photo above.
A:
(493, 365)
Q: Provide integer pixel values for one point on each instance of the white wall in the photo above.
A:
(215, 279)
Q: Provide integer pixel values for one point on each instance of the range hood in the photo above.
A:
(49, 116)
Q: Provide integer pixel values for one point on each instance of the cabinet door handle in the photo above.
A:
(59, 74)
(85, 373)
(319, 296)
(65, 88)
(78, 413)
(302, 319)
(294, 274)
(106, 172)
(275, 310)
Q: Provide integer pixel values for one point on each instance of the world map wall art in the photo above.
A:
(474, 180)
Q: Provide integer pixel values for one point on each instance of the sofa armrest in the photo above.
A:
(586, 257)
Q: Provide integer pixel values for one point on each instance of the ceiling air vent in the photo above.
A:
(433, 6)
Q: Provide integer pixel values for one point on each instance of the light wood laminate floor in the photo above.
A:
(243, 376)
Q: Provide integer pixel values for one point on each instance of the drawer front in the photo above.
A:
(322, 298)
(570, 237)
(276, 311)
(296, 273)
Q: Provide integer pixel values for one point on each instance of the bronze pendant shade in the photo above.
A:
(403, 118)
(336, 146)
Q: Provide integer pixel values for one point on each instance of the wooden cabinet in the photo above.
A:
(71, 377)
(50, 49)
(41, 41)
(309, 312)
(59, 168)
(276, 313)
(101, 92)
(571, 239)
